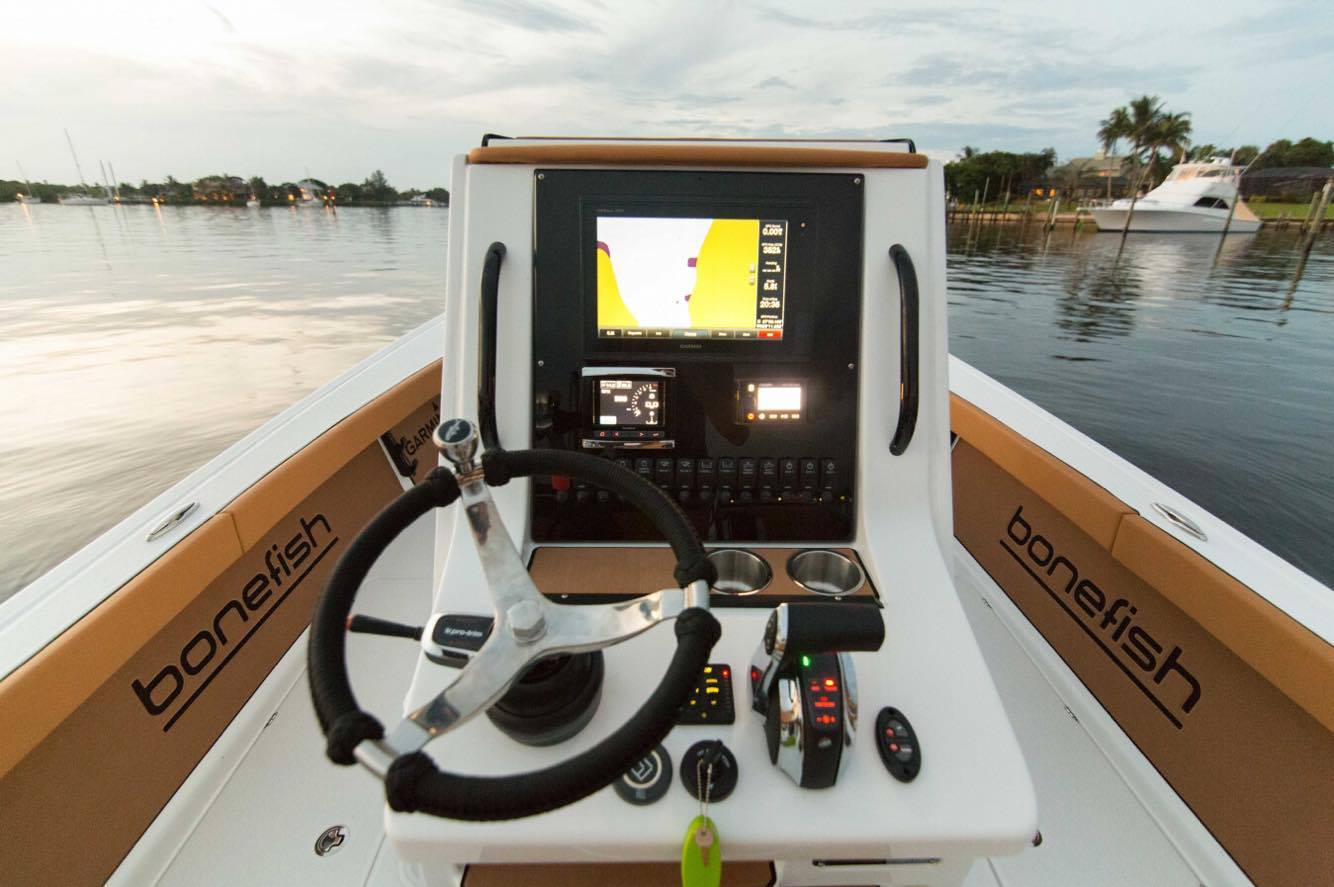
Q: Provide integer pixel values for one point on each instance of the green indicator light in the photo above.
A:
(805, 662)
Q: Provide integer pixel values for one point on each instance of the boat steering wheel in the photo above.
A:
(527, 627)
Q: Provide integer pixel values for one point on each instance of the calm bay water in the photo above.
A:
(136, 344)
(1216, 377)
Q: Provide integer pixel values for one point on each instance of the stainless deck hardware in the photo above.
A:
(171, 521)
(1180, 521)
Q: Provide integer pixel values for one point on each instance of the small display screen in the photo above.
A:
(767, 402)
(691, 278)
(623, 402)
(778, 397)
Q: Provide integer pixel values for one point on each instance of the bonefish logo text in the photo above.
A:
(206, 654)
(1112, 627)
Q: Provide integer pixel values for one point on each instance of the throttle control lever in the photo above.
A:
(810, 628)
(804, 686)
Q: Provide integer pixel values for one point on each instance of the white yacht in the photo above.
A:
(1195, 197)
(922, 634)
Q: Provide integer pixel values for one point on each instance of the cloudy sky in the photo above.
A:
(279, 87)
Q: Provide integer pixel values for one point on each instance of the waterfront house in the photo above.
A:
(1092, 177)
(227, 190)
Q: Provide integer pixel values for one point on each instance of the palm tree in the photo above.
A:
(1148, 128)
(1115, 128)
(1171, 132)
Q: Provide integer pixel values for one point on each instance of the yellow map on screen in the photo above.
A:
(677, 273)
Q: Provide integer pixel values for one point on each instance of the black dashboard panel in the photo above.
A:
(753, 431)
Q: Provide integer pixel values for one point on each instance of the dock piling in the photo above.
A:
(1318, 222)
(1310, 211)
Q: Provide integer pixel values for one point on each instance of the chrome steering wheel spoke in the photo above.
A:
(527, 626)
(508, 581)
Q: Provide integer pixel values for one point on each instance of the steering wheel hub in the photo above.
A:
(526, 622)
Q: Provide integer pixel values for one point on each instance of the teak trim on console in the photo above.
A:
(588, 574)
(622, 154)
(745, 873)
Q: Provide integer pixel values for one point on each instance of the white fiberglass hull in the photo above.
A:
(1183, 220)
(83, 201)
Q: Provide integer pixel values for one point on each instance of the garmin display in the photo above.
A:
(622, 402)
(691, 278)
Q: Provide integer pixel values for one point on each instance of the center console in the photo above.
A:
(701, 329)
(740, 325)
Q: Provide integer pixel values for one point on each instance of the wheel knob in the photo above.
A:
(457, 439)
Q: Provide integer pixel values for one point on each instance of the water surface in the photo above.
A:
(137, 343)
(1208, 369)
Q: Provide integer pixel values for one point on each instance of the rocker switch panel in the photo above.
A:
(711, 700)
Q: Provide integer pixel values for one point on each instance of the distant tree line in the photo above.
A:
(226, 189)
(1154, 139)
(997, 173)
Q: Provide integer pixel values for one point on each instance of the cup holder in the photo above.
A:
(740, 572)
(825, 572)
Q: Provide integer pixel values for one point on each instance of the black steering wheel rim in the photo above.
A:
(413, 782)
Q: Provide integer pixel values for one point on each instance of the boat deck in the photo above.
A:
(282, 793)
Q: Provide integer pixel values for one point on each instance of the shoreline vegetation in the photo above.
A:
(997, 210)
(1279, 183)
(229, 190)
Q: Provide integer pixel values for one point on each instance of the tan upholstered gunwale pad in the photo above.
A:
(694, 154)
(1253, 765)
(39, 694)
(157, 671)
(1093, 509)
(46, 689)
(1278, 647)
(1286, 653)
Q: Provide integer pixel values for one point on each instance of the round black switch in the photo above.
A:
(647, 780)
(724, 769)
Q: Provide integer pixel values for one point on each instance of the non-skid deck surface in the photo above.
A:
(1089, 818)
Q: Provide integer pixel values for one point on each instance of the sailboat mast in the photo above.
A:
(23, 175)
(77, 167)
(115, 184)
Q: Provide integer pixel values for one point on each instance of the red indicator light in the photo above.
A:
(889, 731)
(830, 684)
(560, 482)
(727, 672)
(824, 702)
(754, 674)
(893, 746)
